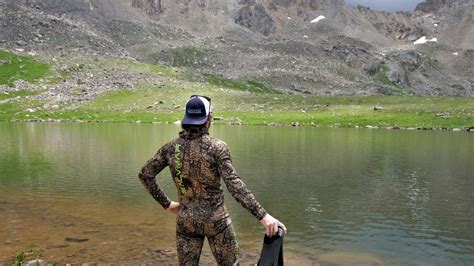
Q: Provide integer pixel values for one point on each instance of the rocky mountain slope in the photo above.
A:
(452, 21)
(322, 47)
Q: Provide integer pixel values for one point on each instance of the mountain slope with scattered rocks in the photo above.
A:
(316, 47)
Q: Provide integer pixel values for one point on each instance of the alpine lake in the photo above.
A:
(347, 196)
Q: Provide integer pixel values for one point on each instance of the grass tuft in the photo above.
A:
(14, 67)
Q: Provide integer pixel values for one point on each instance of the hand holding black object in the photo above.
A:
(272, 250)
(271, 225)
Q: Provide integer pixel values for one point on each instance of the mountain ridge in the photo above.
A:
(348, 52)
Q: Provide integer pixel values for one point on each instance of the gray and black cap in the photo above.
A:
(198, 109)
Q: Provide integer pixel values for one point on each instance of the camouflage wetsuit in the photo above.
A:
(197, 163)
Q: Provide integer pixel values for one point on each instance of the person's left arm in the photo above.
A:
(242, 194)
(236, 187)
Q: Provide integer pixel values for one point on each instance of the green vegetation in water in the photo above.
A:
(33, 253)
(14, 67)
(20, 258)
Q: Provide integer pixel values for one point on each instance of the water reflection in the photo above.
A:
(403, 197)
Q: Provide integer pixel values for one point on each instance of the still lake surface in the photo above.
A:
(396, 197)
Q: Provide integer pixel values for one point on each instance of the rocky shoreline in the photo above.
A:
(293, 124)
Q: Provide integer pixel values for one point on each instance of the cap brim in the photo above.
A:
(193, 120)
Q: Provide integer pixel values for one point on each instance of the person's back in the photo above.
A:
(197, 163)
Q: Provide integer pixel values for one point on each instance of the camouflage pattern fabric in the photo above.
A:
(197, 163)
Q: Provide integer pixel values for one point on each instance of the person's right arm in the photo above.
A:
(148, 174)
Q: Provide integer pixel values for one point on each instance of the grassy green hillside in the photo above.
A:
(14, 67)
(160, 97)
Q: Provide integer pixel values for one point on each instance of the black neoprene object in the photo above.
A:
(272, 250)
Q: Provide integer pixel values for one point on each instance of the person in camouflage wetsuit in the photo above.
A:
(197, 163)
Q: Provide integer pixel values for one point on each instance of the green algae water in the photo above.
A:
(346, 195)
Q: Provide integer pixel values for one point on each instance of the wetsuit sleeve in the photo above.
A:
(148, 174)
(235, 185)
